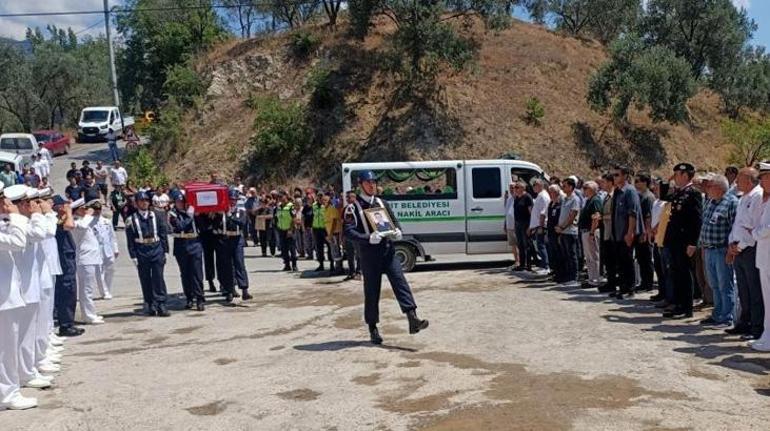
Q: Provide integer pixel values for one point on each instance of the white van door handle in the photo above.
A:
(477, 209)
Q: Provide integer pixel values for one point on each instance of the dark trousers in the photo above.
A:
(319, 239)
(239, 264)
(266, 239)
(288, 250)
(610, 263)
(523, 243)
(252, 230)
(749, 291)
(209, 243)
(373, 266)
(660, 272)
(151, 280)
(682, 277)
(643, 253)
(624, 259)
(554, 256)
(66, 299)
(569, 255)
(191, 271)
(117, 215)
(352, 254)
(225, 274)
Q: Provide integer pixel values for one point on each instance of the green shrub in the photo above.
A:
(183, 83)
(142, 167)
(165, 132)
(281, 131)
(535, 111)
(303, 43)
(319, 83)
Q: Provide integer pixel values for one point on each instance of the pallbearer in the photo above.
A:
(378, 257)
(188, 250)
(148, 245)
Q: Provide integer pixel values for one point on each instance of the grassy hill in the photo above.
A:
(478, 113)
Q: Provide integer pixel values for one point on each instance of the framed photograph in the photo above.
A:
(379, 220)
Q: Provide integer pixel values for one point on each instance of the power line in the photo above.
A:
(154, 9)
(90, 27)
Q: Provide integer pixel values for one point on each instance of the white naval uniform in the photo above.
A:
(761, 234)
(13, 238)
(89, 257)
(30, 262)
(42, 168)
(105, 234)
(51, 268)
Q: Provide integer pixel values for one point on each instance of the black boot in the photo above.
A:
(212, 288)
(294, 267)
(415, 324)
(163, 311)
(374, 335)
(229, 298)
(246, 295)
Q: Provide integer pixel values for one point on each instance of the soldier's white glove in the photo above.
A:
(191, 211)
(136, 261)
(397, 235)
(375, 238)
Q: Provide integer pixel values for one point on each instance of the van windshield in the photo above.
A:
(15, 144)
(415, 184)
(94, 116)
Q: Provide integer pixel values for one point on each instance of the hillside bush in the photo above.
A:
(535, 111)
(281, 131)
(184, 84)
(142, 167)
(166, 131)
(303, 43)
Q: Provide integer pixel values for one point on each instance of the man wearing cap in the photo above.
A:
(89, 255)
(761, 234)
(378, 258)
(147, 240)
(188, 250)
(65, 291)
(682, 234)
(286, 223)
(31, 262)
(231, 267)
(108, 243)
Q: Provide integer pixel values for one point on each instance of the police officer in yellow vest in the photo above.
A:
(287, 228)
(319, 233)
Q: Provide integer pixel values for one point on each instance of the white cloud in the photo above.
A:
(15, 27)
(745, 4)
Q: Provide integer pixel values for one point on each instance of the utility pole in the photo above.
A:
(115, 96)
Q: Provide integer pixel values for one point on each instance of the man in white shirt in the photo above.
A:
(160, 200)
(89, 257)
(109, 244)
(100, 175)
(118, 174)
(45, 154)
(537, 223)
(743, 251)
(13, 238)
(40, 166)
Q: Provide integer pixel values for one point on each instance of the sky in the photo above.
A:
(15, 27)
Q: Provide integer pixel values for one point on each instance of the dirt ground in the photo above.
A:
(501, 353)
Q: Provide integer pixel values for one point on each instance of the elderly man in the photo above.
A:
(718, 218)
(537, 223)
(626, 227)
(743, 255)
(761, 234)
(567, 228)
(607, 254)
(590, 217)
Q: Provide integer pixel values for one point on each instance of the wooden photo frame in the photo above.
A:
(379, 220)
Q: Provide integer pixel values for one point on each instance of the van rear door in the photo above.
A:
(485, 208)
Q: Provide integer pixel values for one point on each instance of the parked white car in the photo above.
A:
(23, 144)
(95, 122)
(446, 207)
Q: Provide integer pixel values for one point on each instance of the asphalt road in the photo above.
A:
(501, 353)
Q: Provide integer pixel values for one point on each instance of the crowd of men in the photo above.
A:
(705, 238)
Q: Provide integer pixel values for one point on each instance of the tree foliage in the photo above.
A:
(745, 84)
(602, 19)
(652, 78)
(749, 140)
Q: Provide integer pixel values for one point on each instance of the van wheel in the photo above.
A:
(406, 256)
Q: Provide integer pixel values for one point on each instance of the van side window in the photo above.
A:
(486, 183)
(416, 184)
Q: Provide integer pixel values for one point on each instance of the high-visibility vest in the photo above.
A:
(319, 222)
(285, 218)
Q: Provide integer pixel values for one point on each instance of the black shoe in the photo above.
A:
(286, 268)
(246, 295)
(229, 298)
(374, 335)
(189, 305)
(607, 289)
(309, 258)
(415, 324)
(750, 337)
(709, 321)
(293, 267)
(163, 311)
(212, 288)
(320, 268)
(264, 254)
(236, 294)
(657, 297)
(738, 330)
(677, 314)
(200, 306)
(614, 294)
(71, 331)
(625, 295)
(519, 268)
(150, 310)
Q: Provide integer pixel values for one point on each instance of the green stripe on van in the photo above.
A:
(446, 219)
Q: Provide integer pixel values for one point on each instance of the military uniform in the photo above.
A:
(66, 289)
(209, 245)
(231, 266)
(683, 230)
(147, 238)
(188, 252)
(377, 257)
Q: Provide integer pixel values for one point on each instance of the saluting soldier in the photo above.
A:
(286, 216)
(682, 234)
(147, 239)
(188, 250)
(378, 257)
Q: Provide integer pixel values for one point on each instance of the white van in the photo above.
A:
(446, 207)
(95, 121)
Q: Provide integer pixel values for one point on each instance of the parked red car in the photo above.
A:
(56, 142)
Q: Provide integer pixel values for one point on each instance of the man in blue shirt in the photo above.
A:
(626, 227)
